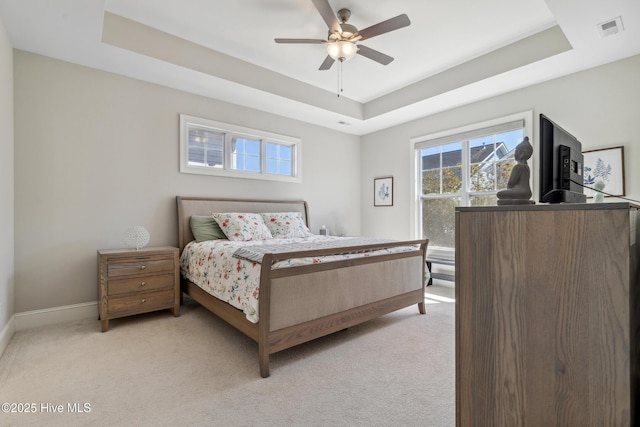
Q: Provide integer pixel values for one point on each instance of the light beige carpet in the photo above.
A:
(157, 370)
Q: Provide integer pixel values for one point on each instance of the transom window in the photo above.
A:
(213, 148)
(463, 168)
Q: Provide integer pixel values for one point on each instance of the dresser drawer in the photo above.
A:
(143, 266)
(140, 284)
(141, 303)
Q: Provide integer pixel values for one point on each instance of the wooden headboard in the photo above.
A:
(188, 206)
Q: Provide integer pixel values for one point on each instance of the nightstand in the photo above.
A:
(137, 281)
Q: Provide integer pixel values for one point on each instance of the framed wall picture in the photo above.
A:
(606, 165)
(383, 191)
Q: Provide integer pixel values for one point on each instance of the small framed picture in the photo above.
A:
(383, 191)
(605, 169)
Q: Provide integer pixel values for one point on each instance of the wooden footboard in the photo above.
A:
(299, 304)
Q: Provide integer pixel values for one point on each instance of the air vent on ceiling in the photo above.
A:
(610, 27)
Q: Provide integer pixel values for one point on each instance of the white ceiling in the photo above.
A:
(454, 52)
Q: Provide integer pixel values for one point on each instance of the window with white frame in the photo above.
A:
(213, 148)
(463, 167)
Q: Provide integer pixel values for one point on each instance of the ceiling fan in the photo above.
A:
(342, 38)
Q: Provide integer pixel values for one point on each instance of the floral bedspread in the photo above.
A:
(212, 266)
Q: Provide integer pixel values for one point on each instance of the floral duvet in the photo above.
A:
(211, 265)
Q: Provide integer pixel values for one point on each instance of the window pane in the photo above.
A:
(238, 162)
(278, 151)
(438, 221)
(253, 164)
(253, 147)
(281, 167)
(431, 182)
(441, 169)
(279, 159)
(481, 155)
(196, 155)
(205, 147)
(272, 166)
(452, 154)
(285, 168)
(245, 154)
(272, 150)
(451, 180)
(482, 177)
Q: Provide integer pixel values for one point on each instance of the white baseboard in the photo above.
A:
(51, 316)
(7, 333)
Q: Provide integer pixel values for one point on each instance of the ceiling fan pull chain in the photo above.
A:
(340, 74)
(339, 77)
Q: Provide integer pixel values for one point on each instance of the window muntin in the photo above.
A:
(213, 148)
(462, 169)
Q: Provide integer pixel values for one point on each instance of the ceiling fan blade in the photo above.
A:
(373, 54)
(327, 63)
(392, 24)
(307, 41)
(324, 8)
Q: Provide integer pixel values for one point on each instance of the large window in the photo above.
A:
(214, 148)
(463, 168)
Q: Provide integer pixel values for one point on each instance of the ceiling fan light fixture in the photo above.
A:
(342, 50)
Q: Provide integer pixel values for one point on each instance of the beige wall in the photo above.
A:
(6, 181)
(601, 107)
(96, 153)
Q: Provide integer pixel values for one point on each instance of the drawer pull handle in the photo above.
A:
(142, 267)
(143, 284)
(143, 300)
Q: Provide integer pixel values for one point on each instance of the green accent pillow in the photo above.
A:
(205, 228)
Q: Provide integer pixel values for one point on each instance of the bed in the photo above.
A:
(299, 303)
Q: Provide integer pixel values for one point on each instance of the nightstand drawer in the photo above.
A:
(143, 266)
(140, 284)
(141, 303)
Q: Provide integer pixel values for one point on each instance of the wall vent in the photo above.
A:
(610, 27)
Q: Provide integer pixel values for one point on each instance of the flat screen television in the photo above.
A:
(561, 165)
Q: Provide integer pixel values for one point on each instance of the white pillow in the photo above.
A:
(242, 226)
(286, 225)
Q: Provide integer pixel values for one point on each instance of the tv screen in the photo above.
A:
(561, 165)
